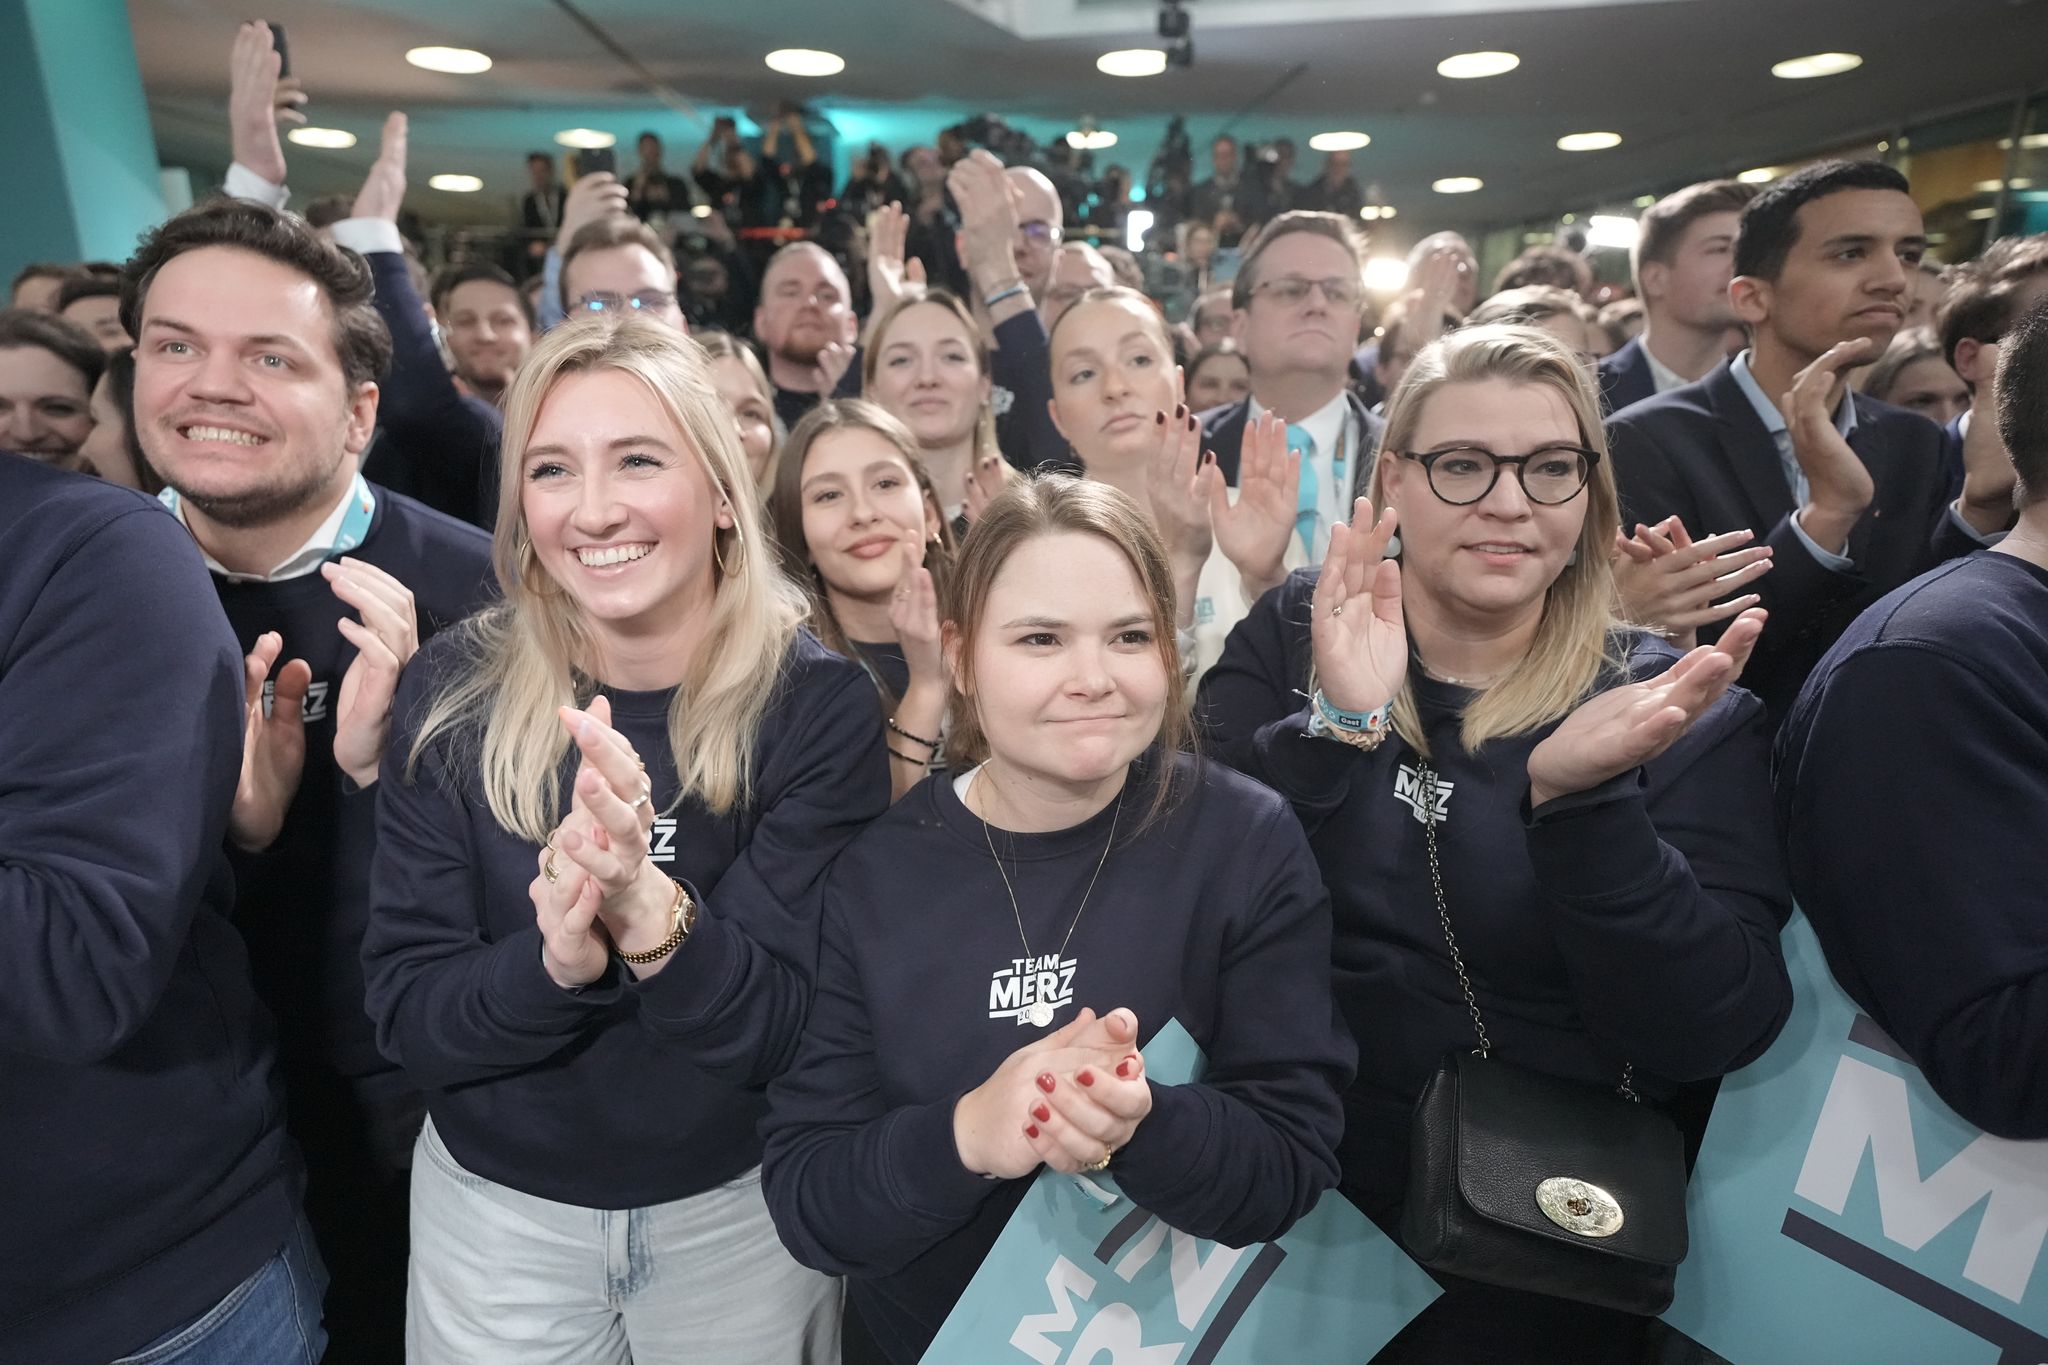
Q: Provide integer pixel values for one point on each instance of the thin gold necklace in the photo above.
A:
(1040, 1013)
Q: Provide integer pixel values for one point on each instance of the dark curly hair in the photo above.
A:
(361, 340)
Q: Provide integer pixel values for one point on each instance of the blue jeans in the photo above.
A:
(273, 1316)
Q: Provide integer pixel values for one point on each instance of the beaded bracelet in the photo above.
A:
(931, 744)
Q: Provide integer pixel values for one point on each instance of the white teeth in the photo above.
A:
(222, 434)
(612, 554)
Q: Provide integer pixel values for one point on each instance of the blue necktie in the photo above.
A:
(1309, 503)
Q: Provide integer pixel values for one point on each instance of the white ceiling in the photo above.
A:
(1686, 82)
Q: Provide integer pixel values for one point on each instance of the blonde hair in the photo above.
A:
(945, 299)
(725, 346)
(523, 657)
(786, 512)
(1576, 639)
(1048, 504)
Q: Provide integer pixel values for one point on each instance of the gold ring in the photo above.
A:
(1337, 610)
(1107, 1153)
(547, 869)
(646, 795)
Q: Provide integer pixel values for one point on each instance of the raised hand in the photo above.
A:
(1437, 280)
(833, 358)
(1254, 529)
(385, 639)
(1180, 511)
(990, 475)
(1839, 486)
(273, 744)
(593, 197)
(258, 101)
(1359, 634)
(988, 220)
(914, 613)
(1674, 584)
(611, 811)
(989, 1122)
(383, 191)
(890, 276)
(1625, 727)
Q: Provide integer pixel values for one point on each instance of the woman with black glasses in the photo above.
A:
(1544, 833)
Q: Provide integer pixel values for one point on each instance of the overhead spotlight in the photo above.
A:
(1132, 61)
(455, 184)
(586, 138)
(322, 137)
(1457, 184)
(1762, 175)
(1819, 64)
(456, 61)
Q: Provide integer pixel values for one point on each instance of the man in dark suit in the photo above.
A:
(1296, 305)
(1850, 491)
(1683, 258)
(1985, 298)
(540, 208)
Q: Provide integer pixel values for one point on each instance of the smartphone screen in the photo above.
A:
(591, 160)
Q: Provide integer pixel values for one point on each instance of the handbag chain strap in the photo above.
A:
(1427, 774)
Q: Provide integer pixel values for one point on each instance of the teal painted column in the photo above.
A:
(79, 157)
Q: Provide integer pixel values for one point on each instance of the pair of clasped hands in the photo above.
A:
(604, 891)
(1069, 1101)
(1362, 658)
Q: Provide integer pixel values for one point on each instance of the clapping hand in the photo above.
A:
(1839, 486)
(992, 1122)
(258, 101)
(914, 613)
(1089, 1112)
(1173, 485)
(1356, 624)
(1673, 584)
(385, 639)
(1253, 530)
(1625, 727)
(273, 743)
(383, 191)
(890, 276)
(833, 358)
(990, 475)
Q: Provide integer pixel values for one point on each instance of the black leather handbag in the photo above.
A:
(1533, 1182)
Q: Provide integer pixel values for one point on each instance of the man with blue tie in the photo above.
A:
(1849, 493)
(1296, 306)
(1682, 261)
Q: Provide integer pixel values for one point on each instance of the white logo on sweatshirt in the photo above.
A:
(313, 708)
(1408, 789)
(1031, 989)
(661, 840)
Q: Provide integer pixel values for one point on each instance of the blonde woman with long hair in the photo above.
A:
(606, 810)
(1472, 739)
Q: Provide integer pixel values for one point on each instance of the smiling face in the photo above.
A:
(620, 508)
(487, 332)
(862, 511)
(44, 407)
(1112, 374)
(803, 305)
(241, 403)
(751, 411)
(1849, 274)
(1496, 557)
(928, 375)
(1069, 685)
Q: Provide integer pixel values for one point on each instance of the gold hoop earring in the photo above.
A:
(720, 558)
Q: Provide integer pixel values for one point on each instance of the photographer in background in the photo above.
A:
(874, 184)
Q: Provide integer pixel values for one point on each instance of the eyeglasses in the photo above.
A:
(646, 301)
(1043, 233)
(1462, 475)
(1290, 290)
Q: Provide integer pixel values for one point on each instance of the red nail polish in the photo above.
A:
(1123, 1069)
(1085, 1076)
(1045, 1081)
(1031, 1130)
(1041, 1113)
(1159, 420)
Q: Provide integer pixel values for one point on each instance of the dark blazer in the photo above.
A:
(1625, 377)
(1952, 451)
(1702, 453)
(1223, 433)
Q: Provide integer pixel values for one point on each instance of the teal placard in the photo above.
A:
(1081, 1276)
(1841, 1212)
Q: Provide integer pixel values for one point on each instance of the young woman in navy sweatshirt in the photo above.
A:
(996, 947)
(858, 524)
(605, 813)
(1602, 805)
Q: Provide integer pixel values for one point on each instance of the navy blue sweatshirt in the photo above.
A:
(1213, 916)
(302, 903)
(1635, 922)
(629, 1093)
(141, 1130)
(1912, 794)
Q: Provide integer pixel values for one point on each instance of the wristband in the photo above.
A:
(1358, 729)
(1012, 292)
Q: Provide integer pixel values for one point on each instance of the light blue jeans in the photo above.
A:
(513, 1279)
(273, 1316)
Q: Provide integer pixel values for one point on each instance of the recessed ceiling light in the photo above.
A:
(334, 138)
(1982, 215)
(1132, 61)
(2032, 142)
(1339, 142)
(456, 184)
(1457, 184)
(1471, 66)
(1762, 175)
(1372, 213)
(1819, 64)
(585, 139)
(1994, 186)
(456, 61)
(1588, 142)
(1091, 139)
(805, 61)
(1385, 274)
